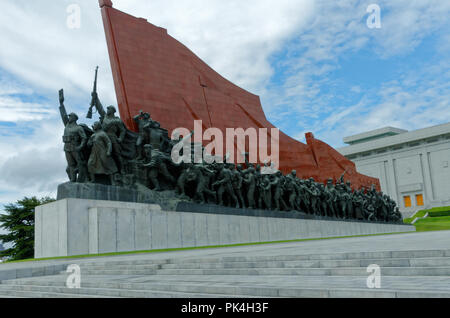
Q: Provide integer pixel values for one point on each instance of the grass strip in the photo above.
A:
(192, 248)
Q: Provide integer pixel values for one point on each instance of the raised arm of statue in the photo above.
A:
(62, 108)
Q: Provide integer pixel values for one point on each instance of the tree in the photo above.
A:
(18, 220)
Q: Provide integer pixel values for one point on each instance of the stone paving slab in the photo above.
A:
(414, 253)
(398, 242)
(388, 282)
(244, 289)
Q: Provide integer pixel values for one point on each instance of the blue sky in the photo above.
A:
(315, 64)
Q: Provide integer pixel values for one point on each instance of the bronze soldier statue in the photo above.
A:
(331, 198)
(155, 134)
(323, 202)
(250, 181)
(75, 140)
(100, 161)
(194, 174)
(358, 204)
(114, 127)
(277, 184)
(290, 188)
(224, 184)
(265, 192)
(314, 196)
(141, 120)
(350, 207)
(237, 184)
(156, 164)
(303, 199)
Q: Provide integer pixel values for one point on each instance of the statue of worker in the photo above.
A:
(114, 127)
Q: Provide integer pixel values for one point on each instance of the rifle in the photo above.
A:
(94, 96)
(62, 108)
(341, 179)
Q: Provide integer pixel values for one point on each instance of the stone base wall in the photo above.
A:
(78, 227)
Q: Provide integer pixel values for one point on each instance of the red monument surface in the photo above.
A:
(155, 73)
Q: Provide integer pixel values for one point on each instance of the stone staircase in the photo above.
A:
(416, 273)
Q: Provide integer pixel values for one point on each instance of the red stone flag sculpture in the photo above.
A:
(155, 73)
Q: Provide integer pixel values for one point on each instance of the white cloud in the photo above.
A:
(13, 109)
(339, 29)
(32, 164)
(39, 48)
(420, 99)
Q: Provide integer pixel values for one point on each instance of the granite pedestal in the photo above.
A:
(71, 227)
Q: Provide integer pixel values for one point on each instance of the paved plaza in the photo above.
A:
(412, 265)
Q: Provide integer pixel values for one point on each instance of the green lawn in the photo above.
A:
(434, 212)
(419, 214)
(433, 224)
(438, 220)
(194, 248)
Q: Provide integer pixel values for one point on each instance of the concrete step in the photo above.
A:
(12, 293)
(394, 282)
(432, 266)
(335, 256)
(146, 290)
(355, 271)
(430, 262)
(125, 262)
(112, 271)
(399, 262)
(370, 257)
(435, 262)
(119, 267)
(95, 291)
(279, 258)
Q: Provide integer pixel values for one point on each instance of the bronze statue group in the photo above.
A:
(111, 154)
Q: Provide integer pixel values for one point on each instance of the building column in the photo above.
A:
(426, 171)
(392, 180)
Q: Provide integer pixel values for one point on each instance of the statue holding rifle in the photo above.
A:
(112, 125)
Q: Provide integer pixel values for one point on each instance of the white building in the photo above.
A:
(413, 167)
